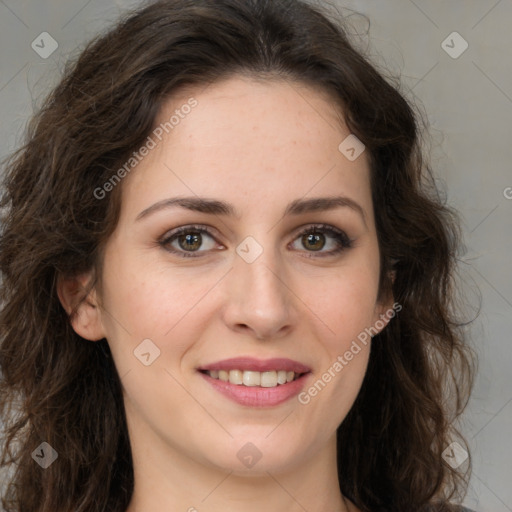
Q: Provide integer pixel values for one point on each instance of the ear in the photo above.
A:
(84, 315)
(385, 309)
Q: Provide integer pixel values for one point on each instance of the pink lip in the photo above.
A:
(255, 396)
(257, 365)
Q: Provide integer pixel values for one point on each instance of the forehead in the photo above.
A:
(251, 141)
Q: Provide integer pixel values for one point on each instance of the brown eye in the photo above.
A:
(313, 241)
(316, 238)
(188, 241)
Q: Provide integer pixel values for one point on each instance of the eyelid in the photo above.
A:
(320, 226)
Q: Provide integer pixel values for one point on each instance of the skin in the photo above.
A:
(258, 145)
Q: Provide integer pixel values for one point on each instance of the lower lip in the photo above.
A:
(256, 396)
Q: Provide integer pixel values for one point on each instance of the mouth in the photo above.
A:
(254, 382)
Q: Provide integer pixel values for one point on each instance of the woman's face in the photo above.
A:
(277, 266)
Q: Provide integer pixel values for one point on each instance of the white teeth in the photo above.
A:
(281, 377)
(251, 378)
(235, 377)
(269, 379)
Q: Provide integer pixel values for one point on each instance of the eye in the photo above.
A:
(187, 240)
(315, 238)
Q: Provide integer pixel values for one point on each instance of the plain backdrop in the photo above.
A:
(466, 94)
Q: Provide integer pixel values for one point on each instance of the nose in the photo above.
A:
(259, 301)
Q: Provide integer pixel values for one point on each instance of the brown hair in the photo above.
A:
(57, 388)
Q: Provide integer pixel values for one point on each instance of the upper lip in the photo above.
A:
(257, 365)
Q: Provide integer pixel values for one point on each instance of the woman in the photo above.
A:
(227, 278)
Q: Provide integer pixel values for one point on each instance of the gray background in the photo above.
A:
(468, 101)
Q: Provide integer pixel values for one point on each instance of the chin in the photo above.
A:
(257, 454)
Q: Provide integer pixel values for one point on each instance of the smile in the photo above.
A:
(256, 383)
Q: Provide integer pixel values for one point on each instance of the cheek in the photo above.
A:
(345, 308)
(171, 307)
(343, 304)
(347, 349)
(151, 298)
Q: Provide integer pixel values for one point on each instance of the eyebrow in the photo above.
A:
(215, 207)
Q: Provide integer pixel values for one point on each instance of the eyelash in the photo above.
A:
(341, 238)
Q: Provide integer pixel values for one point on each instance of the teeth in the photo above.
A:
(268, 379)
(251, 379)
(236, 377)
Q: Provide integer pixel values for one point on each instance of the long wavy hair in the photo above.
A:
(59, 388)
